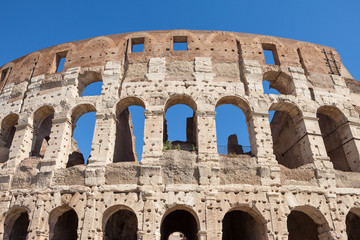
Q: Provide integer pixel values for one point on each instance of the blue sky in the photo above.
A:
(28, 26)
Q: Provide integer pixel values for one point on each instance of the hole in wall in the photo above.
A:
(231, 130)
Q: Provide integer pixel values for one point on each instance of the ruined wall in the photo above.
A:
(199, 193)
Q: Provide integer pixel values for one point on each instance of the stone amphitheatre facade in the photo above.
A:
(301, 179)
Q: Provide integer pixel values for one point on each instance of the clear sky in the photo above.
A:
(27, 26)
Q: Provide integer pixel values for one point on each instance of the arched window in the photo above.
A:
(180, 123)
(6, 135)
(231, 126)
(129, 130)
(286, 137)
(306, 222)
(42, 128)
(16, 225)
(239, 224)
(90, 84)
(63, 222)
(352, 224)
(335, 132)
(179, 221)
(278, 82)
(121, 225)
(83, 125)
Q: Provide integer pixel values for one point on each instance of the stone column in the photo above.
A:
(300, 82)
(103, 143)
(103, 146)
(350, 134)
(212, 231)
(21, 144)
(20, 149)
(310, 138)
(252, 74)
(206, 136)
(57, 153)
(262, 147)
(313, 150)
(153, 136)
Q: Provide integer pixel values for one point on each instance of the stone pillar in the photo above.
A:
(253, 76)
(212, 231)
(149, 218)
(57, 153)
(40, 228)
(350, 134)
(103, 146)
(313, 150)
(21, 144)
(93, 227)
(206, 136)
(262, 147)
(310, 138)
(153, 136)
(103, 143)
(300, 82)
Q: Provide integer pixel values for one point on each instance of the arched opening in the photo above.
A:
(278, 83)
(268, 89)
(239, 224)
(7, 134)
(90, 84)
(93, 89)
(352, 224)
(177, 236)
(287, 140)
(335, 133)
(180, 124)
(42, 128)
(129, 130)
(121, 225)
(16, 225)
(301, 226)
(83, 125)
(63, 222)
(231, 126)
(179, 221)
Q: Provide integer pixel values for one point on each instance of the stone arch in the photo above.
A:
(7, 134)
(76, 157)
(243, 222)
(280, 81)
(63, 223)
(180, 218)
(86, 78)
(289, 135)
(42, 123)
(237, 102)
(232, 143)
(125, 149)
(191, 122)
(121, 222)
(352, 224)
(180, 99)
(337, 138)
(16, 224)
(307, 222)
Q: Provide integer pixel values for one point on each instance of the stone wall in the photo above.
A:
(303, 168)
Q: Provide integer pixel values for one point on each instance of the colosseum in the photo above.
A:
(299, 181)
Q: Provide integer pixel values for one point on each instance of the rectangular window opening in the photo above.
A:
(180, 43)
(60, 61)
(3, 74)
(137, 44)
(270, 54)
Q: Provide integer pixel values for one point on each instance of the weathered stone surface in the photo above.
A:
(300, 179)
